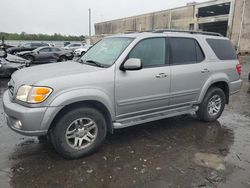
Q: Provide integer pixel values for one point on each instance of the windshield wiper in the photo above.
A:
(95, 63)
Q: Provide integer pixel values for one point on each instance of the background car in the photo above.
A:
(73, 46)
(15, 59)
(46, 55)
(81, 51)
(7, 68)
(26, 47)
(11, 63)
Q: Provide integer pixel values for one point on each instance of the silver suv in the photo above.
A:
(123, 80)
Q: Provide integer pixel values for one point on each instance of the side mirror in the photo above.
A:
(132, 64)
(3, 53)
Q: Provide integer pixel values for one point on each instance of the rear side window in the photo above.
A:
(55, 49)
(222, 48)
(185, 51)
(38, 44)
(45, 50)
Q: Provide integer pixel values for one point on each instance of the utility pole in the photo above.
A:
(89, 22)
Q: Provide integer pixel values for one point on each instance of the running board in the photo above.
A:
(126, 122)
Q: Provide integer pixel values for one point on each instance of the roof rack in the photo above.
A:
(187, 31)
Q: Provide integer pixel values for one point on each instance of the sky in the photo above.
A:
(70, 17)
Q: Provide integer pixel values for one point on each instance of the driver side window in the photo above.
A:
(45, 50)
(150, 51)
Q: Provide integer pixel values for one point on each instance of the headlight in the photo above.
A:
(32, 94)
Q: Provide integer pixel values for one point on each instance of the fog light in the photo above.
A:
(18, 124)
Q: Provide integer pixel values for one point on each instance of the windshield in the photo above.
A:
(107, 51)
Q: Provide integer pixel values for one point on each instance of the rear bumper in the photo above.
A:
(235, 86)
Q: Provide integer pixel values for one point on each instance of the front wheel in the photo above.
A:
(63, 58)
(30, 58)
(79, 132)
(212, 105)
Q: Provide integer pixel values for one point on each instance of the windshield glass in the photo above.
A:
(107, 51)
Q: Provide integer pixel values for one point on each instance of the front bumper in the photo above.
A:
(77, 53)
(30, 118)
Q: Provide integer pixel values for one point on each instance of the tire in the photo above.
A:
(70, 133)
(30, 58)
(212, 105)
(63, 58)
(42, 139)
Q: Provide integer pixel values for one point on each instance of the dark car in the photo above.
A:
(26, 47)
(11, 63)
(7, 68)
(46, 55)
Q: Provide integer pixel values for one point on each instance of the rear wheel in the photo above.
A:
(212, 105)
(63, 58)
(79, 132)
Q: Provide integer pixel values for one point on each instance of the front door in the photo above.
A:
(146, 90)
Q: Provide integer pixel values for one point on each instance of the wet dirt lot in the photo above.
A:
(176, 152)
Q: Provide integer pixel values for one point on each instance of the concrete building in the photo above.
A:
(231, 18)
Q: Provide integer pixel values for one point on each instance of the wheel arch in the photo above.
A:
(30, 55)
(62, 55)
(88, 103)
(222, 84)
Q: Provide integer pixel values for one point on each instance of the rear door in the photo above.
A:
(44, 55)
(54, 54)
(146, 90)
(189, 70)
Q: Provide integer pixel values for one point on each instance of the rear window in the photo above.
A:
(222, 48)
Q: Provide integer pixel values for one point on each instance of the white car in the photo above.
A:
(73, 46)
(81, 51)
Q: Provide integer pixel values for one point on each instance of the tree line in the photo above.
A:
(40, 37)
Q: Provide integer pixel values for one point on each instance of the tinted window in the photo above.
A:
(74, 45)
(223, 49)
(199, 53)
(185, 51)
(36, 45)
(45, 50)
(150, 51)
(55, 49)
(27, 45)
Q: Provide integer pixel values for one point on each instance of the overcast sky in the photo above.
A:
(70, 17)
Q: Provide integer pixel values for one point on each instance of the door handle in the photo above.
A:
(161, 75)
(204, 71)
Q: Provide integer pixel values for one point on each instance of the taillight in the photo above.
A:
(238, 68)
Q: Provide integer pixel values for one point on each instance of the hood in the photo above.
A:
(6, 63)
(24, 52)
(13, 48)
(34, 74)
(16, 59)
